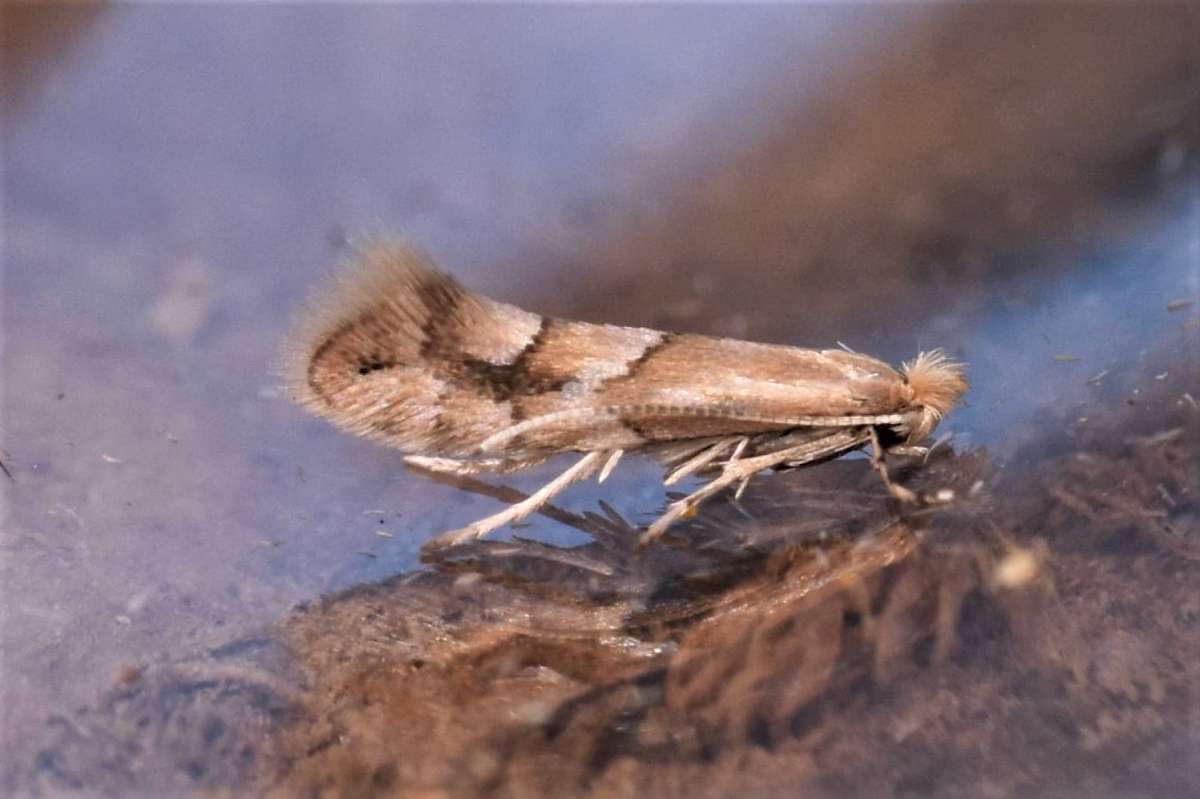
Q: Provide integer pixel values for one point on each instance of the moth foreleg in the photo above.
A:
(878, 463)
(580, 470)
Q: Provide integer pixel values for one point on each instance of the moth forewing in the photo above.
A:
(401, 353)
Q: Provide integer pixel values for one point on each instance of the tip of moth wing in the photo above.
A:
(374, 281)
(937, 382)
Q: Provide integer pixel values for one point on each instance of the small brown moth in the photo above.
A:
(401, 353)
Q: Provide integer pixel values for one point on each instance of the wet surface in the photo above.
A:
(204, 590)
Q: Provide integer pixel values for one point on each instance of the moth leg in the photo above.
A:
(741, 489)
(465, 468)
(910, 450)
(737, 454)
(610, 464)
(446, 465)
(743, 469)
(734, 472)
(701, 459)
(581, 470)
(878, 463)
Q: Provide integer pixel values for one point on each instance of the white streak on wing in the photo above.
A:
(505, 341)
(625, 344)
(576, 390)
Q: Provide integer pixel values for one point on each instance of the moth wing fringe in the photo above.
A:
(381, 349)
(352, 288)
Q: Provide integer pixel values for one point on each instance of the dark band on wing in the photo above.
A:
(501, 382)
(437, 298)
(317, 360)
(442, 350)
(440, 296)
(442, 429)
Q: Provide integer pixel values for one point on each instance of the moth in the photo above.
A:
(401, 353)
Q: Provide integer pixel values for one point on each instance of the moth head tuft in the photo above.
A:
(937, 385)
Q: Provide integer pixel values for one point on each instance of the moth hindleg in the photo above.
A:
(464, 467)
(610, 464)
(580, 470)
(445, 465)
(737, 470)
(702, 459)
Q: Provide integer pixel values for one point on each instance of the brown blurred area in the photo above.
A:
(1032, 634)
(987, 140)
(34, 36)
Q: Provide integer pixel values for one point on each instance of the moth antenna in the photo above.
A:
(937, 382)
